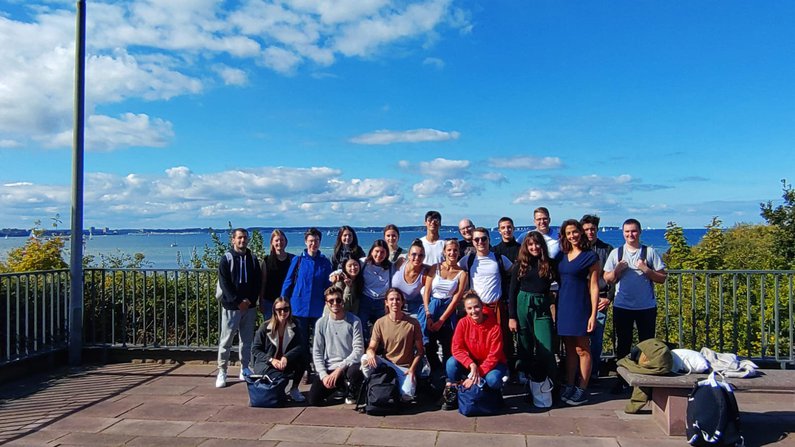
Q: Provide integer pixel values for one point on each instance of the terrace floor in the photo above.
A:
(141, 404)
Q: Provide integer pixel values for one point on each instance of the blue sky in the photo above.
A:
(366, 112)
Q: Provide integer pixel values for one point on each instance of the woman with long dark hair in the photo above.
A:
(346, 246)
(578, 267)
(529, 309)
(376, 274)
(274, 272)
(410, 278)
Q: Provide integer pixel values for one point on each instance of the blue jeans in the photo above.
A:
(456, 371)
(597, 337)
(370, 310)
(307, 326)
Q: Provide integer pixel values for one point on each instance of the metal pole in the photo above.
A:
(76, 259)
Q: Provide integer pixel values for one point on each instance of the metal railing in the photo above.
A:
(34, 311)
(746, 312)
(152, 308)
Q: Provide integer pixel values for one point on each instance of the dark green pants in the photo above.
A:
(534, 350)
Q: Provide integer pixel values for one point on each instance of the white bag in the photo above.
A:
(542, 393)
(687, 361)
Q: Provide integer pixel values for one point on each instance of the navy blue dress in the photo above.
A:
(574, 297)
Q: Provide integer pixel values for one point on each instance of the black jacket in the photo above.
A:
(240, 282)
(264, 348)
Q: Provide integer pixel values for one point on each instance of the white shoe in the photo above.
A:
(296, 395)
(220, 380)
(243, 373)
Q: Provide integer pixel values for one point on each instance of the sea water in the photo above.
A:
(163, 249)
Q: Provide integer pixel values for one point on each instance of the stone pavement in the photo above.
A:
(141, 404)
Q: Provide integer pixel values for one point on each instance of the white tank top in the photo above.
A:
(413, 291)
(444, 288)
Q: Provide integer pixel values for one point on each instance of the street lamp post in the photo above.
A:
(76, 258)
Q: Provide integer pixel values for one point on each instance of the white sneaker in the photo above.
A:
(243, 373)
(220, 380)
(296, 395)
(350, 401)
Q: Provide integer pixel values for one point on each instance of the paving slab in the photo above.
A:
(88, 439)
(165, 441)
(142, 427)
(172, 412)
(392, 437)
(109, 409)
(239, 443)
(526, 423)
(308, 434)
(80, 423)
(452, 439)
(227, 430)
(269, 415)
(567, 441)
(431, 420)
(337, 416)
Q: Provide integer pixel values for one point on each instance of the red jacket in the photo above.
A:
(478, 343)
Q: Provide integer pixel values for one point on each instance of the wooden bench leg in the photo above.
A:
(669, 409)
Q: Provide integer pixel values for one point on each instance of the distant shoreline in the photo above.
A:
(18, 232)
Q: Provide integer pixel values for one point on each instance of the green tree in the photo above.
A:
(783, 218)
(679, 254)
(751, 247)
(708, 254)
(39, 252)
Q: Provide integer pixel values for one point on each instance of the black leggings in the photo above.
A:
(318, 393)
(625, 319)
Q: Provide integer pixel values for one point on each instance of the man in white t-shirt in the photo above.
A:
(486, 278)
(434, 246)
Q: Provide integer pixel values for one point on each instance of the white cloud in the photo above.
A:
(6, 144)
(181, 195)
(494, 177)
(406, 136)
(444, 168)
(590, 191)
(434, 62)
(157, 50)
(231, 75)
(104, 133)
(452, 188)
(525, 162)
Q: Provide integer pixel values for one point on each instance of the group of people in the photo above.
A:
(461, 310)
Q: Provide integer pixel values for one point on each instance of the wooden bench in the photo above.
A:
(669, 393)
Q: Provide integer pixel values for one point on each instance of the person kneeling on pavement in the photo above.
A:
(336, 351)
(399, 336)
(277, 348)
(477, 352)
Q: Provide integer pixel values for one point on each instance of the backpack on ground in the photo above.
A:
(267, 391)
(382, 392)
(479, 400)
(713, 418)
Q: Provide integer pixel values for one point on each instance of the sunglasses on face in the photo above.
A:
(480, 239)
(282, 309)
(334, 301)
(416, 255)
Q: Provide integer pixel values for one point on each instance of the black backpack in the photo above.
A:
(382, 392)
(713, 418)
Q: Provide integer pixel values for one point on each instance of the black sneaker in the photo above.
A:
(620, 388)
(450, 398)
(578, 397)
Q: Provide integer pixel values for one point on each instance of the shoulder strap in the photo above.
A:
(620, 253)
(470, 262)
(643, 250)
